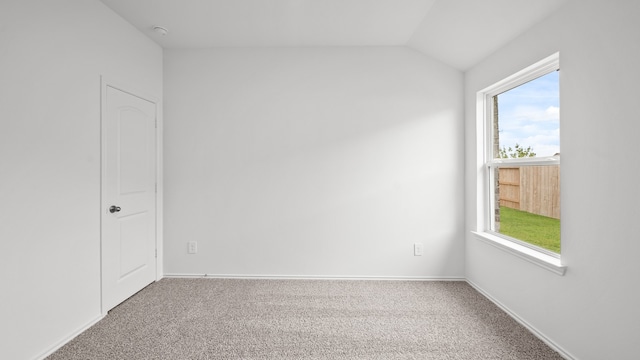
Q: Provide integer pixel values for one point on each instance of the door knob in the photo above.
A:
(114, 209)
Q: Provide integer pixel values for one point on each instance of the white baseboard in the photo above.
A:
(565, 354)
(69, 338)
(315, 277)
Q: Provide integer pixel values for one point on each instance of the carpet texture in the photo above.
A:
(306, 319)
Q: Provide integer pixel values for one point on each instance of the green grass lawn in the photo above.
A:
(535, 229)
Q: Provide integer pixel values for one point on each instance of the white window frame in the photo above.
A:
(486, 204)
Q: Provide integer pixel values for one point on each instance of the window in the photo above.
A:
(520, 119)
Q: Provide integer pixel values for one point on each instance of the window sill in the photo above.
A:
(545, 261)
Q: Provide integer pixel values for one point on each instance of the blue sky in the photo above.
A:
(530, 115)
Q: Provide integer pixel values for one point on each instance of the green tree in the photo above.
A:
(518, 152)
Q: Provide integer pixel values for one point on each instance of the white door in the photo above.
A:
(128, 195)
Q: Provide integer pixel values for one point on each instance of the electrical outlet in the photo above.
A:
(418, 249)
(192, 247)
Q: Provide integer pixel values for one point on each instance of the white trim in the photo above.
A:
(315, 277)
(68, 338)
(485, 205)
(540, 68)
(159, 190)
(103, 162)
(565, 354)
(534, 161)
(124, 86)
(545, 261)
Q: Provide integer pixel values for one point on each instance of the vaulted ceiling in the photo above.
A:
(457, 32)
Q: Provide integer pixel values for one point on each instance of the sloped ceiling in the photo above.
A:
(457, 32)
(463, 32)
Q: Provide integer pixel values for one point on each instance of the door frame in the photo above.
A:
(132, 90)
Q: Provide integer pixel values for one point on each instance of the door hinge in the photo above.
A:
(156, 188)
(156, 253)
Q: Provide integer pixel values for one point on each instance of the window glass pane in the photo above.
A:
(527, 204)
(526, 199)
(527, 119)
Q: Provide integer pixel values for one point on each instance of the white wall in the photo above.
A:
(313, 162)
(592, 312)
(52, 54)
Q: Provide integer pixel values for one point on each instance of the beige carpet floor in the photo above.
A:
(306, 319)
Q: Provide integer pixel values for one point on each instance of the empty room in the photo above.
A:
(319, 179)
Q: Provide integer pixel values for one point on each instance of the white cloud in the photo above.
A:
(553, 112)
(522, 115)
(544, 142)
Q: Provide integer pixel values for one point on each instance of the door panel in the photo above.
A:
(134, 247)
(134, 148)
(128, 196)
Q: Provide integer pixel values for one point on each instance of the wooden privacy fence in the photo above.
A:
(534, 189)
